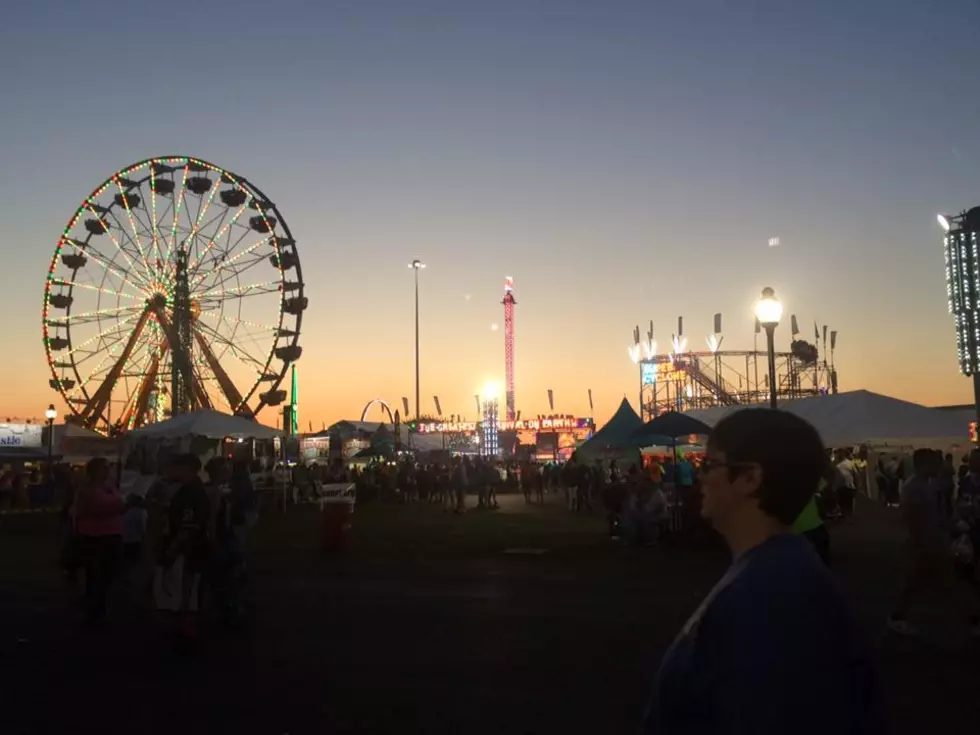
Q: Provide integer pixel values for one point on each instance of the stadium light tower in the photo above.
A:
(416, 265)
(962, 254)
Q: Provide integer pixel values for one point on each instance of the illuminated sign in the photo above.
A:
(20, 435)
(558, 423)
(668, 372)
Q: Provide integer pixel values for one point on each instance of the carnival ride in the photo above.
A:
(176, 285)
(682, 380)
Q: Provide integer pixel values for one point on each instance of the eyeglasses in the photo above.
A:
(709, 464)
(712, 464)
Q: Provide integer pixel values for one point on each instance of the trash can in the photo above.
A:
(335, 531)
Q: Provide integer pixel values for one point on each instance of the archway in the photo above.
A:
(384, 406)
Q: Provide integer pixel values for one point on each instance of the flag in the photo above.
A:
(718, 323)
(551, 399)
(758, 326)
(795, 327)
(833, 340)
(680, 326)
(591, 409)
(405, 405)
(438, 407)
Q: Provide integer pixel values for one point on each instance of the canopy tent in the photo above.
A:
(666, 428)
(862, 417)
(23, 454)
(614, 438)
(76, 444)
(206, 423)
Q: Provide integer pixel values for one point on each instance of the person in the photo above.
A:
(99, 527)
(134, 529)
(460, 478)
(946, 483)
(848, 485)
(232, 508)
(969, 491)
(685, 474)
(775, 647)
(186, 537)
(658, 513)
(810, 524)
(929, 563)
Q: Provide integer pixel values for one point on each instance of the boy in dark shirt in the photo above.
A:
(187, 536)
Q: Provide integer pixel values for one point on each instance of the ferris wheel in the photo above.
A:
(175, 286)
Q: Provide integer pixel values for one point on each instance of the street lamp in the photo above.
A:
(416, 265)
(50, 414)
(769, 310)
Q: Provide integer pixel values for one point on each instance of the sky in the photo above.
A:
(623, 161)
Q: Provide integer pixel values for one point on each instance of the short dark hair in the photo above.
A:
(96, 466)
(188, 461)
(923, 460)
(787, 448)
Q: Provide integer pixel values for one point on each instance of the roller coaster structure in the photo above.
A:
(689, 381)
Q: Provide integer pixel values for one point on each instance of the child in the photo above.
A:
(134, 529)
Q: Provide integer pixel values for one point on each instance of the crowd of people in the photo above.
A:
(184, 539)
(941, 512)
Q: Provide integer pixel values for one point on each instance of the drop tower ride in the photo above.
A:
(509, 302)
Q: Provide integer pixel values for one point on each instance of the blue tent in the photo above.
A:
(615, 438)
(671, 425)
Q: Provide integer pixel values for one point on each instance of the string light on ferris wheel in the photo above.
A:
(116, 297)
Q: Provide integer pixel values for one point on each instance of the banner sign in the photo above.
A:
(553, 424)
(20, 435)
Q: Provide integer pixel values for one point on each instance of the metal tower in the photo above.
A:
(182, 380)
(509, 302)
(293, 402)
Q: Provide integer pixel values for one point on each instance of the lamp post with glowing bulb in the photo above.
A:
(416, 265)
(50, 414)
(769, 310)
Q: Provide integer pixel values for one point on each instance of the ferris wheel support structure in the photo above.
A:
(100, 399)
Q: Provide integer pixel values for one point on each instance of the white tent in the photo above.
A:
(862, 417)
(76, 444)
(207, 423)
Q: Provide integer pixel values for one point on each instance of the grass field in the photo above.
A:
(427, 624)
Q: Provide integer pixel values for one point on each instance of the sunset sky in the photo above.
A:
(623, 160)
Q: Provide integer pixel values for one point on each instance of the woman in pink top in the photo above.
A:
(98, 525)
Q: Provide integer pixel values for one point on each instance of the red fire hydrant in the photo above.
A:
(337, 513)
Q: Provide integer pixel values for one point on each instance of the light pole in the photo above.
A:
(769, 310)
(51, 414)
(961, 234)
(416, 265)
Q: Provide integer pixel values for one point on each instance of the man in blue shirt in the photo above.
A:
(774, 648)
